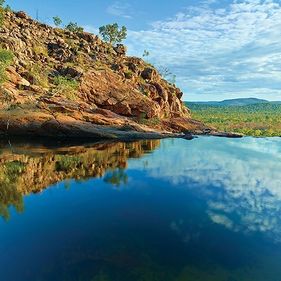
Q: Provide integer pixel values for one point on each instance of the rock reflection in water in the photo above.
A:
(26, 169)
(206, 210)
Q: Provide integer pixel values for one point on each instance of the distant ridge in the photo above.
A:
(234, 102)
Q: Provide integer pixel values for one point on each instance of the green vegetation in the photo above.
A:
(66, 86)
(57, 21)
(6, 58)
(2, 9)
(145, 53)
(40, 50)
(74, 27)
(9, 196)
(40, 75)
(67, 163)
(116, 177)
(128, 74)
(8, 8)
(112, 34)
(1, 12)
(260, 120)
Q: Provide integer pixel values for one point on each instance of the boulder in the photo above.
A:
(73, 72)
(148, 73)
(22, 15)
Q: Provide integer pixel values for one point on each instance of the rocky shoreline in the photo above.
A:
(64, 84)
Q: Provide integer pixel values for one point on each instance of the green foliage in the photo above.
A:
(112, 34)
(1, 17)
(8, 9)
(57, 21)
(73, 27)
(1, 12)
(117, 177)
(40, 50)
(129, 74)
(6, 58)
(142, 119)
(145, 53)
(67, 163)
(40, 75)
(9, 195)
(66, 86)
(260, 120)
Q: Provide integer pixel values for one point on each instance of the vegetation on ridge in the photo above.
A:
(112, 34)
(260, 120)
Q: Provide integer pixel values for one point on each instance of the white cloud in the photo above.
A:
(237, 178)
(120, 9)
(219, 52)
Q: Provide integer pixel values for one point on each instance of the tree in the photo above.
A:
(73, 27)
(57, 21)
(2, 2)
(167, 74)
(112, 34)
(145, 53)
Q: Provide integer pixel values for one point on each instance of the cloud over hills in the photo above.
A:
(219, 51)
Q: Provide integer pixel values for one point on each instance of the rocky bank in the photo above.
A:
(107, 94)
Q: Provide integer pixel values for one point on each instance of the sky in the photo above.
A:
(218, 49)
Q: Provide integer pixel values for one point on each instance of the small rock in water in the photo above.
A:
(188, 136)
(227, 135)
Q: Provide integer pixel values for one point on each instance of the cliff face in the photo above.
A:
(73, 84)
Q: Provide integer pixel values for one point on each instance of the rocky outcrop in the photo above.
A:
(75, 85)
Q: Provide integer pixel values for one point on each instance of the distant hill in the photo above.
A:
(233, 102)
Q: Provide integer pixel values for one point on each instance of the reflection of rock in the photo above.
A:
(31, 169)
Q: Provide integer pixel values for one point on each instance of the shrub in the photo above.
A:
(8, 9)
(73, 27)
(112, 34)
(39, 75)
(1, 12)
(145, 53)
(40, 50)
(9, 195)
(128, 74)
(57, 21)
(67, 163)
(66, 86)
(6, 58)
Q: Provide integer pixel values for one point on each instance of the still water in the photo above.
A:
(172, 210)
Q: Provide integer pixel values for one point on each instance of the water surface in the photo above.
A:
(170, 210)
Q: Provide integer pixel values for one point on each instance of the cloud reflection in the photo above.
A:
(239, 179)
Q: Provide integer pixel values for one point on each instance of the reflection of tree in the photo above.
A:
(9, 195)
(116, 177)
(30, 169)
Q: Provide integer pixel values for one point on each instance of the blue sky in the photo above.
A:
(218, 49)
